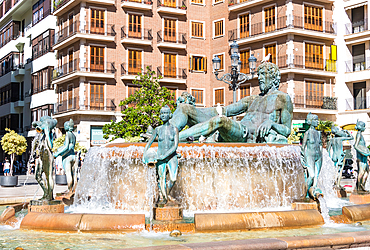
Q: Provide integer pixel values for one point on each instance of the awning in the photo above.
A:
(355, 5)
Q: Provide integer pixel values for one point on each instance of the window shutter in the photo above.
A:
(205, 64)
(190, 62)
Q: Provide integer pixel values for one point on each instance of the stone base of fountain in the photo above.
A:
(167, 213)
(341, 192)
(304, 204)
(49, 207)
(185, 225)
(360, 198)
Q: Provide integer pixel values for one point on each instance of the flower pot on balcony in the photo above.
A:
(60, 179)
(9, 181)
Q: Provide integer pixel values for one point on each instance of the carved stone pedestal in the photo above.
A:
(50, 207)
(305, 204)
(168, 213)
(360, 198)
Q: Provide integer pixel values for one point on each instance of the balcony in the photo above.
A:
(357, 32)
(358, 103)
(172, 75)
(236, 5)
(40, 89)
(172, 7)
(171, 40)
(136, 35)
(358, 70)
(130, 72)
(73, 104)
(317, 104)
(78, 30)
(284, 25)
(62, 6)
(73, 70)
(137, 4)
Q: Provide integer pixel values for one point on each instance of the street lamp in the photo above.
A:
(235, 78)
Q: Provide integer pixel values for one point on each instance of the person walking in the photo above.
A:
(6, 167)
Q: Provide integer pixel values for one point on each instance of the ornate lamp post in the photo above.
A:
(235, 78)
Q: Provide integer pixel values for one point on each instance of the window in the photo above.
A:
(70, 61)
(38, 11)
(221, 56)
(1, 10)
(170, 65)
(218, 1)
(97, 59)
(169, 30)
(197, 1)
(70, 96)
(97, 21)
(134, 26)
(96, 96)
(269, 19)
(219, 96)
(314, 56)
(197, 29)
(218, 28)
(132, 90)
(173, 92)
(134, 62)
(313, 18)
(314, 94)
(198, 63)
(245, 91)
(169, 3)
(271, 49)
(198, 94)
(244, 56)
(70, 24)
(41, 80)
(244, 25)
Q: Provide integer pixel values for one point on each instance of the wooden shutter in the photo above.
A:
(196, 29)
(70, 61)
(170, 65)
(169, 3)
(198, 95)
(219, 96)
(269, 19)
(190, 62)
(97, 96)
(244, 56)
(245, 91)
(97, 59)
(134, 26)
(314, 56)
(97, 21)
(244, 25)
(169, 30)
(313, 18)
(70, 23)
(219, 28)
(271, 49)
(134, 62)
(70, 96)
(314, 94)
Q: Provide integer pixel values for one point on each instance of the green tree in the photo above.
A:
(325, 128)
(12, 144)
(142, 108)
(57, 143)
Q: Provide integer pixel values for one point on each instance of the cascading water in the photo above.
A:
(210, 178)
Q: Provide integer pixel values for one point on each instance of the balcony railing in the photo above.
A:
(99, 105)
(66, 105)
(136, 33)
(169, 72)
(357, 27)
(74, 66)
(73, 104)
(316, 63)
(149, 2)
(91, 28)
(41, 88)
(41, 53)
(171, 37)
(357, 103)
(317, 102)
(358, 65)
(282, 22)
(46, 12)
(172, 4)
(127, 69)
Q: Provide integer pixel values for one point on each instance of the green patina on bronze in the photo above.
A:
(362, 154)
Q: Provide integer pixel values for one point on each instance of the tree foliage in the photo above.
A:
(325, 128)
(57, 143)
(13, 144)
(142, 108)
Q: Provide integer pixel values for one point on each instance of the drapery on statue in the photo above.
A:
(43, 156)
(362, 154)
(166, 156)
(311, 152)
(67, 151)
(268, 116)
(335, 149)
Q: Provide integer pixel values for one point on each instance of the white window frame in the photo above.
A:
(89, 55)
(249, 17)
(204, 29)
(315, 5)
(199, 4)
(263, 16)
(198, 71)
(313, 80)
(73, 94)
(314, 42)
(214, 2)
(177, 61)
(214, 26)
(214, 96)
(142, 22)
(276, 50)
(204, 96)
(142, 56)
(177, 27)
(105, 18)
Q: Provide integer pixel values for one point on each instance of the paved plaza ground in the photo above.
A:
(26, 190)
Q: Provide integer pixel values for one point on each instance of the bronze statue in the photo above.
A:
(67, 151)
(166, 156)
(41, 152)
(311, 151)
(335, 149)
(268, 116)
(362, 154)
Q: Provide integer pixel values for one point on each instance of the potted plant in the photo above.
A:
(12, 144)
(183, 7)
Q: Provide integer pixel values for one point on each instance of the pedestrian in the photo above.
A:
(6, 167)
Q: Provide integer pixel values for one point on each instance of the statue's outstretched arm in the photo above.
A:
(63, 150)
(150, 141)
(173, 148)
(238, 108)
